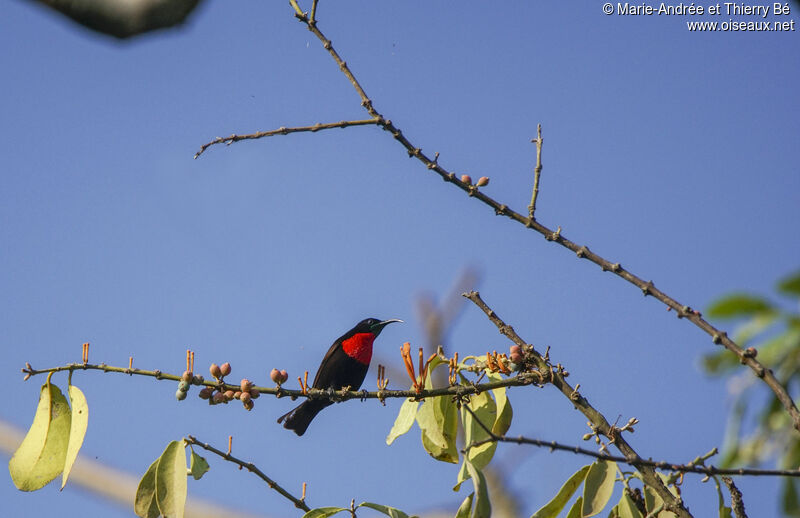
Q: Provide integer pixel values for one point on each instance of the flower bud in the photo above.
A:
(225, 368)
(249, 405)
(483, 180)
(466, 179)
(228, 395)
(206, 392)
(275, 375)
(246, 385)
(187, 376)
(219, 397)
(215, 370)
(254, 393)
(284, 376)
(180, 395)
(244, 397)
(183, 386)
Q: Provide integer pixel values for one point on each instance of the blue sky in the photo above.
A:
(672, 152)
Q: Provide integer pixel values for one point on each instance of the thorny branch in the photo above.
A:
(581, 251)
(249, 466)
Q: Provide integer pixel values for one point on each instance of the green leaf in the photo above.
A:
(145, 504)
(739, 305)
(483, 507)
(504, 412)
(485, 410)
(324, 512)
(465, 507)
(598, 487)
(575, 510)
(391, 512)
(790, 503)
(626, 508)
(724, 512)
(653, 501)
(438, 420)
(554, 506)
(404, 421)
(171, 480)
(197, 466)
(77, 431)
(790, 285)
(41, 456)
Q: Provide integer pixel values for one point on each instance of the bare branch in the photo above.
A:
(736, 498)
(667, 466)
(283, 131)
(537, 171)
(249, 466)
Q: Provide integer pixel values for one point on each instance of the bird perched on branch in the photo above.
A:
(344, 365)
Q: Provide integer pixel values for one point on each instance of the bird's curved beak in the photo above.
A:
(377, 328)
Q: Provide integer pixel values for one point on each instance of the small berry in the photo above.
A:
(466, 179)
(225, 368)
(483, 180)
(215, 370)
(206, 392)
(254, 393)
(275, 375)
(187, 376)
(246, 385)
(183, 386)
(180, 395)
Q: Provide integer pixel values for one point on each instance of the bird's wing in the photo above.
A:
(324, 383)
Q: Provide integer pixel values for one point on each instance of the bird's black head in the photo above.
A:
(373, 325)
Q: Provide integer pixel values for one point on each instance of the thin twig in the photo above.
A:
(519, 380)
(598, 421)
(537, 171)
(249, 466)
(648, 288)
(284, 131)
(668, 466)
(736, 498)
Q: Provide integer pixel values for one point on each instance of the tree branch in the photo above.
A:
(522, 379)
(249, 466)
(284, 131)
(736, 498)
(598, 421)
(684, 468)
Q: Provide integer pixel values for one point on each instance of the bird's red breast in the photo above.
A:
(359, 347)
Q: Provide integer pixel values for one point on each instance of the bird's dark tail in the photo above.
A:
(298, 419)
